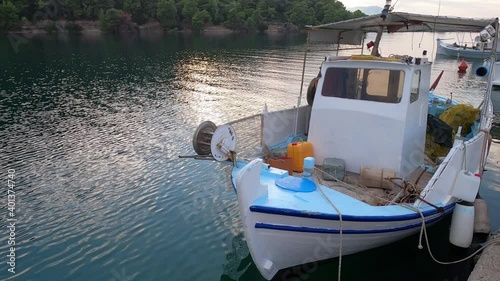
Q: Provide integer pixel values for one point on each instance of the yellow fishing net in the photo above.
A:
(459, 115)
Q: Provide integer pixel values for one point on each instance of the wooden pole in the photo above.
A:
(377, 42)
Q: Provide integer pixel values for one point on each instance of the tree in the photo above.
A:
(150, 7)
(73, 9)
(134, 8)
(199, 19)
(110, 20)
(258, 20)
(301, 14)
(336, 12)
(189, 10)
(8, 16)
(357, 14)
(93, 7)
(236, 19)
(212, 7)
(266, 11)
(167, 12)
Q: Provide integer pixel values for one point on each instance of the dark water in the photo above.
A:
(92, 127)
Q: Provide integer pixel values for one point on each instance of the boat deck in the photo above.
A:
(372, 195)
(356, 202)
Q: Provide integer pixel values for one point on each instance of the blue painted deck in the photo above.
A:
(314, 205)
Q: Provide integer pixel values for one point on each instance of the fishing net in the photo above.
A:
(460, 115)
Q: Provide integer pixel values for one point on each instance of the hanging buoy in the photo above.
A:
(462, 225)
(481, 217)
(462, 68)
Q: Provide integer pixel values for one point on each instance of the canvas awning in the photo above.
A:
(348, 31)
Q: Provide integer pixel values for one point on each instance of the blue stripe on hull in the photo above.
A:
(345, 231)
(302, 214)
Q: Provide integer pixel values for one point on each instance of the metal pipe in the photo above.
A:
(303, 70)
(301, 83)
(244, 119)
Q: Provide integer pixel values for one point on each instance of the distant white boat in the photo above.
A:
(481, 51)
(365, 126)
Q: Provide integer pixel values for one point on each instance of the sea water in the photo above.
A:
(92, 126)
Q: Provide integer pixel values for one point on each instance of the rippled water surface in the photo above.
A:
(93, 126)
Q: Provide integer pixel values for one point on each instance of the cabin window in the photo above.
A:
(415, 86)
(379, 85)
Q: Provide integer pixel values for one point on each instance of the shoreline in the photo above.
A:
(92, 27)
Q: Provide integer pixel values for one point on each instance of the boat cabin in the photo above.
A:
(371, 113)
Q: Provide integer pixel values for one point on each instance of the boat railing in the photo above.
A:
(248, 145)
(463, 157)
(276, 129)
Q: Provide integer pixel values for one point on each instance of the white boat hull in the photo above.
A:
(286, 248)
(279, 238)
(454, 51)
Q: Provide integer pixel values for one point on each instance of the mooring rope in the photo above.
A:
(423, 228)
(340, 222)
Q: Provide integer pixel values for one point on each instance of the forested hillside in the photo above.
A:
(175, 14)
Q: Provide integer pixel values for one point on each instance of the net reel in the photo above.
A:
(217, 142)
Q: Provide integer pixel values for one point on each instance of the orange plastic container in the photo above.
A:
(298, 151)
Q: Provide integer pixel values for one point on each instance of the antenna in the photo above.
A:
(393, 6)
(385, 11)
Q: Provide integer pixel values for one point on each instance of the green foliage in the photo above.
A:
(134, 8)
(167, 12)
(212, 7)
(357, 14)
(301, 14)
(258, 21)
(51, 27)
(255, 21)
(8, 16)
(236, 19)
(199, 19)
(24, 21)
(235, 14)
(150, 7)
(73, 27)
(110, 20)
(189, 10)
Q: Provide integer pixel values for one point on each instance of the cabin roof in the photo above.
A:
(407, 22)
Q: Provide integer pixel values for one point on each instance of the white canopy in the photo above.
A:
(347, 32)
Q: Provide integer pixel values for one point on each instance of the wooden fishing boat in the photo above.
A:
(359, 178)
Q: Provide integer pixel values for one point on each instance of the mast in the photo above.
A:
(383, 15)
